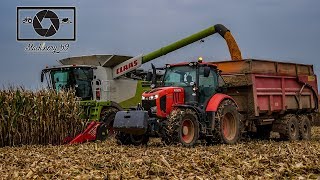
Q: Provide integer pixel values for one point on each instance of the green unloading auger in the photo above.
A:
(137, 61)
(234, 50)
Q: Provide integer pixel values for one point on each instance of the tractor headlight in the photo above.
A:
(154, 97)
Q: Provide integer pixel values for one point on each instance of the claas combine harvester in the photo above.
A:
(217, 101)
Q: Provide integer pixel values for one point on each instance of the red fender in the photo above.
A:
(215, 101)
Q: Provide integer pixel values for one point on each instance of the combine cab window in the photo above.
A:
(60, 78)
(78, 78)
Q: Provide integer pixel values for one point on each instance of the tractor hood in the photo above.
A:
(163, 91)
(162, 100)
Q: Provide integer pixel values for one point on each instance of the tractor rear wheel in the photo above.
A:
(107, 117)
(183, 127)
(289, 129)
(227, 123)
(304, 127)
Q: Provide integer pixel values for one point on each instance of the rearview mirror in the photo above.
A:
(206, 71)
(149, 76)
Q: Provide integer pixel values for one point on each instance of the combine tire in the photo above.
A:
(182, 127)
(304, 127)
(102, 132)
(227, 123)
(289, 129)
(107, 117)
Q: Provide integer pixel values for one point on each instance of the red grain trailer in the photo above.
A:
(273, 96)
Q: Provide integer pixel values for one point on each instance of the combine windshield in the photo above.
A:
(180, 76)
(78, 78)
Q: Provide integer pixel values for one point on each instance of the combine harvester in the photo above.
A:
(218, 101)
(104, 83)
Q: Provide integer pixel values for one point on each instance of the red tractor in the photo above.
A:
(189, 105)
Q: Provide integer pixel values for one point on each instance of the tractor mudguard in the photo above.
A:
(215, 100)
(131, 122)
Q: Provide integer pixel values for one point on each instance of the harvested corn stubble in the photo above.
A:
(246, 160)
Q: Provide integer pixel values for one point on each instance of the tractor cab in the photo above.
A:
(191, 83)
(199, 80)
(70, 77)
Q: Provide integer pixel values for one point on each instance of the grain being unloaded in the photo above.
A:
(233, 47)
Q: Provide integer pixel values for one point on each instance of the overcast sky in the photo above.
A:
(287, 30)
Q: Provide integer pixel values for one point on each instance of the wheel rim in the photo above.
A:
(229, 126)
(188, 130)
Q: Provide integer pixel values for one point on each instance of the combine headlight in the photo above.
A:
(156, 96)
(143, 98)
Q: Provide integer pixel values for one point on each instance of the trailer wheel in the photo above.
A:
(139, 139)
(183, 127)
(304, 127)
(227, 123)
(107, 117)
(290, 128)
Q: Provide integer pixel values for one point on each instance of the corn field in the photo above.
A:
(41, 117)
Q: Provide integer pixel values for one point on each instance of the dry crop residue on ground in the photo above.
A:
(250, 159)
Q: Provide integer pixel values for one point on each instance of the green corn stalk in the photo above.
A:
(38, 117)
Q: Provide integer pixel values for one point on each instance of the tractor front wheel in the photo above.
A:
(138, 140)
(123, 138)
(227, 123)
(127, 139)
(183, 127)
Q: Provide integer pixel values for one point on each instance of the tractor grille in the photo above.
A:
(163, 103)
(147, 104)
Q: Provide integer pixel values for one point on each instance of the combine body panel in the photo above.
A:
(267, 88)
